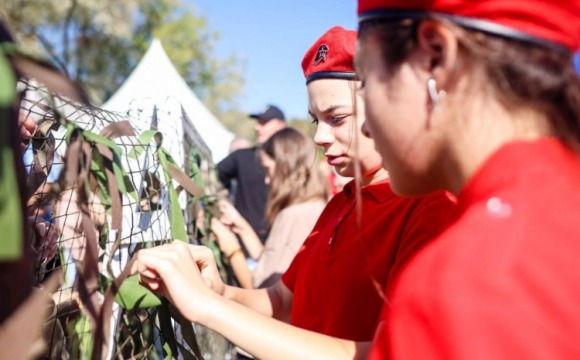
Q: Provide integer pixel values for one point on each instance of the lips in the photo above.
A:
(334, 160)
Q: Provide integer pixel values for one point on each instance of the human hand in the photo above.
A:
(205, 260)
(27, 128)
(46, 241)
(171, 271)
(227, 240)
(231, 217)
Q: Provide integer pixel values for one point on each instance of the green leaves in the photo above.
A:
(99, 47)
(99, 139)
(142, 143)
(175, 215)
(194, 159)
(132, 295)
(7, 81)
(82, 339)
(10, 211)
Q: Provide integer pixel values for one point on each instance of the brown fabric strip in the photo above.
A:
(43, 155)
(116, 201)
(88, 152)
(35, 178)
(183, 180)
(45, 125)
(72, 163)
(89, 279)
(49, 76)
(20, 334)
(88, 275)
(188, 334)
(89, 266)
(88, 272)
(49, 148)
(118, 129)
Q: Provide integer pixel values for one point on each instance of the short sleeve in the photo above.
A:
(290, 276)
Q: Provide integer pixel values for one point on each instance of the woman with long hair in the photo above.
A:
(480, 98)
(332, 293)
(297, 197)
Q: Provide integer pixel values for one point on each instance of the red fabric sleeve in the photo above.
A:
(289, 277)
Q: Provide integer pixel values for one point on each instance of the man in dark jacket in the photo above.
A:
(243, 166)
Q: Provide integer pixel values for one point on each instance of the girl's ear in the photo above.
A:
(438, 50)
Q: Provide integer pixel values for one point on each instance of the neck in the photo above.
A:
(374, 176)
(483, 135)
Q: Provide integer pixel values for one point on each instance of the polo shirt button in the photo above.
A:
(497, 207)
(330, 240)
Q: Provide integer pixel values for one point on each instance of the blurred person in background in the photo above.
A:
(296, 198)
(237, 143)
(243, 168)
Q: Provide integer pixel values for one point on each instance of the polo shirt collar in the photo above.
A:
(379, 191)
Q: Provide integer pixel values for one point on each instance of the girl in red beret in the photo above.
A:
(333, 292)
(480, 98)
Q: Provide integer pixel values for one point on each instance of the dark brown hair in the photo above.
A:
(297, 177)
(521, 74)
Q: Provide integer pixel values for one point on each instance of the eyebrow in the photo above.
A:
(329, 109)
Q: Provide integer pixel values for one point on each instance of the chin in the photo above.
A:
(344, 171)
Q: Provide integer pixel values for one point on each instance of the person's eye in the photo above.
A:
(338, 119)
(361, 84)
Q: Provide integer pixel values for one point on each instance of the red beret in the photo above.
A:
(554, 23)
(331, 56)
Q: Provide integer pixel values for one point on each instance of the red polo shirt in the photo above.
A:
(336, 274)
(503, 282)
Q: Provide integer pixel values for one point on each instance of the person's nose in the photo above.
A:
(365, 129)
(323, 136)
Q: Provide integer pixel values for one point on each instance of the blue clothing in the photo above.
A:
(54, 170)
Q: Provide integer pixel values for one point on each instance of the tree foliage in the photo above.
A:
(98, 42)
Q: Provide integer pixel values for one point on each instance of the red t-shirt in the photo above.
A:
(332, 275)
(503, 282)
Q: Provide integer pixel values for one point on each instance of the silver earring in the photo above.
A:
(436, 96)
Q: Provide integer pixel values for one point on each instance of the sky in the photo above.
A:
(271, 36)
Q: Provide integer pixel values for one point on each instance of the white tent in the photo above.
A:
(155, 83)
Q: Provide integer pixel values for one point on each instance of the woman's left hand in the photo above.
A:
(170, 270)
(227, 240)
(232, 217)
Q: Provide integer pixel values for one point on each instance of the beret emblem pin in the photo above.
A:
(321, 54)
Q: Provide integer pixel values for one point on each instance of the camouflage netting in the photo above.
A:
(103, 185)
